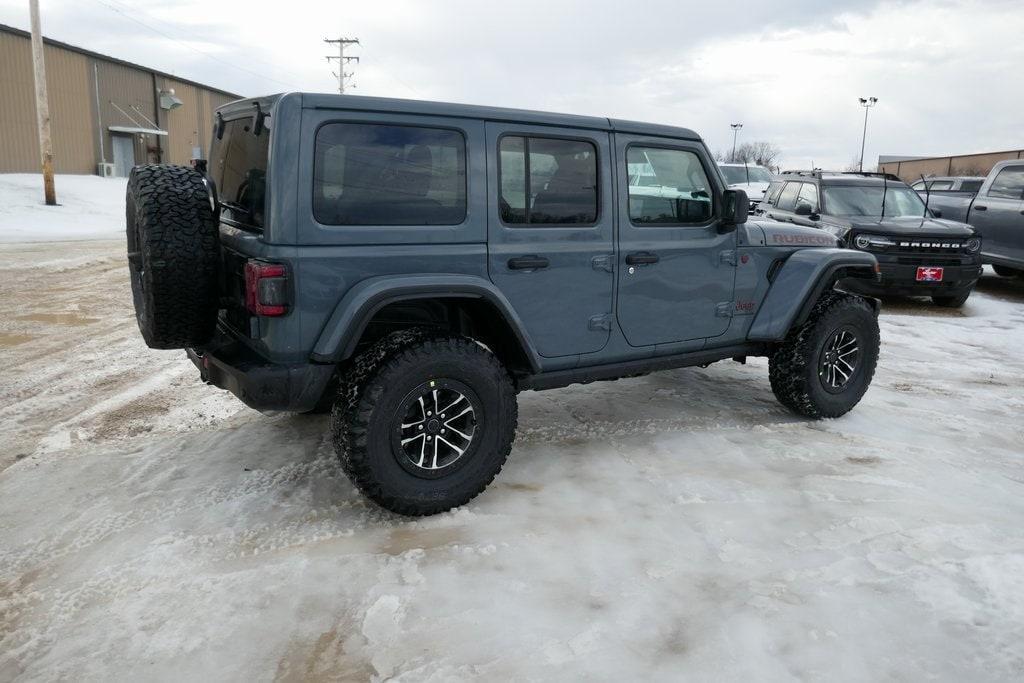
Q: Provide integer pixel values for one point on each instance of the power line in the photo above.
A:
(191, 47)
(343, 60)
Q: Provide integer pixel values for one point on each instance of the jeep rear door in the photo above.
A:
(997, 215)
(675, 269)
(550, 232)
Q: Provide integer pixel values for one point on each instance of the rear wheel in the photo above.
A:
(424, 422)
(824, 366)
(955, 301)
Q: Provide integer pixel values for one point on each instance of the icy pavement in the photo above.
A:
(676, 526)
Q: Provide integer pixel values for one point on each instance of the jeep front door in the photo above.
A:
(675, 267)
(549, 229)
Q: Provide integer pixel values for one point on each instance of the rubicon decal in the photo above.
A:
(804, 239)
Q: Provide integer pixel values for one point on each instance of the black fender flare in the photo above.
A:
(798, 285)
(341, 333)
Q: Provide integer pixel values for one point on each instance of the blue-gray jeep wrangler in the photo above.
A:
(412, 265)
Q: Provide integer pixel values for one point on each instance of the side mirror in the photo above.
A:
(735, 207)
(803, 210)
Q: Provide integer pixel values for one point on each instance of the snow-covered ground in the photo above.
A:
(88, 207)
(676, 526)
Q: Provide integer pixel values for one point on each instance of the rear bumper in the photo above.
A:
(259, 384)
(901, 280)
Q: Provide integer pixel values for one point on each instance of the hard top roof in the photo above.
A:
(453, 110)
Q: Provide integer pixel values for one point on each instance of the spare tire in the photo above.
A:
(173, 255)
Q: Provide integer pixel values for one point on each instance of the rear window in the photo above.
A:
(370, 174)
(547, 181)
(970, 185)
(238, 166)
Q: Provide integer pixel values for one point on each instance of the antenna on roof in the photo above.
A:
(885, 189)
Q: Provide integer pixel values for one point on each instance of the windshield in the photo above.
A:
(866, 200)
(738, 174)
(238, 166)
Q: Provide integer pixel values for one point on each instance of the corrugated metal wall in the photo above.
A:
(76, 131)
(964, 164)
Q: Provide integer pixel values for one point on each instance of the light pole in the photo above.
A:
(735, 131)
(867, 104)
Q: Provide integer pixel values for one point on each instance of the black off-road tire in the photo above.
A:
(173, 256)
(793, 369)
(1003, 271)
(955, 301)
(367, 411)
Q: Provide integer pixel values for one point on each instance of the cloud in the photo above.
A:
(945, 73)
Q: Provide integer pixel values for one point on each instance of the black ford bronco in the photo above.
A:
(918, 253)
(411, 266)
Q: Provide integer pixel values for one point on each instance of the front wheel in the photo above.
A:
(824, 366)
(424, 422)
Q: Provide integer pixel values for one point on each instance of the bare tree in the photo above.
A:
(757, 152)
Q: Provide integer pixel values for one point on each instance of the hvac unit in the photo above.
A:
(106, 170)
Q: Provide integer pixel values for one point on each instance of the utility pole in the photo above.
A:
(42, 105)
(735, 132)
(342, 60)
(867, 104)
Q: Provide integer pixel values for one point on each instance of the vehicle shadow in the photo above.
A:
(922, 306)
(1005, 288)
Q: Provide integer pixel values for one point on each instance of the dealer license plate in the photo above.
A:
(929, 274)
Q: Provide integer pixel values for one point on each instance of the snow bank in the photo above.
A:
(89, 208)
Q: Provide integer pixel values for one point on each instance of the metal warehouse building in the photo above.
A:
(106, 114)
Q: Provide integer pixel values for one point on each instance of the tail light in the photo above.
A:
(266, 288)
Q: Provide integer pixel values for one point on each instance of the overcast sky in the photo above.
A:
(948, 75)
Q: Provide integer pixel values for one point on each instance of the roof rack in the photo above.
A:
(815, 173)
(873, 174)
(818, 173)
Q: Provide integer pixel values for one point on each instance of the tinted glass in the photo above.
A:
(787, 200)
(238, 166)
(667, 187)
(749, 174)
(369, 174)
(971, 185)
(867, 200)
(808, 196)
(546, 181)
(1009, 183)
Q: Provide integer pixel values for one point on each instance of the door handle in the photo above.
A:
(528, 263)
(981, 208)
(641, 258)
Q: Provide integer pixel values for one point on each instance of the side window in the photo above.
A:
(971, 185)
(809, 196)
(919, 185)
(667, 187)
(772, 195)
(787, 199)
(941, 185)
(367, 174)
(547, 181)
(1009, 183)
